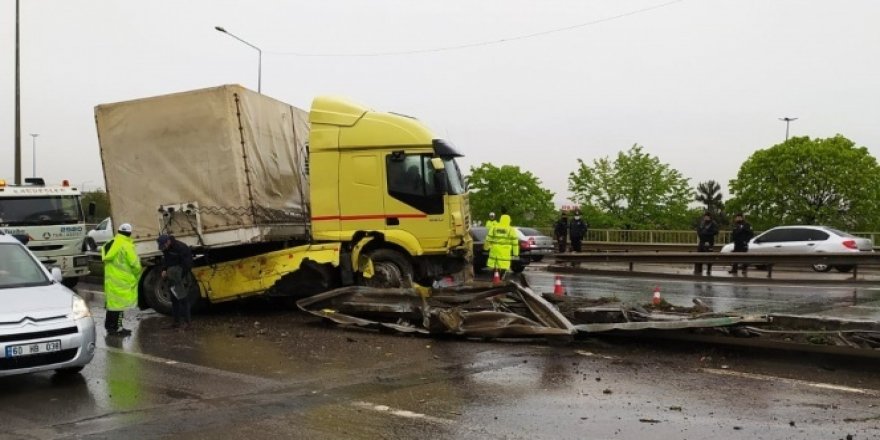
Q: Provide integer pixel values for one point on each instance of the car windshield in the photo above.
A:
(18, 268)
(34, 211)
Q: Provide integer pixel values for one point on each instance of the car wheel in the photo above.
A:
(821, 267)
(844, 268)
(390, 269)
(537, 258)
(69, 370)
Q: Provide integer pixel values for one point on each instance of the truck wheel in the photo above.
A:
(517, 267)
(153, 289)
(390, 269)
(70, 283)
(844, 268)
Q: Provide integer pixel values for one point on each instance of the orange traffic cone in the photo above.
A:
(558, 290)
(496, 278)
(656, 300)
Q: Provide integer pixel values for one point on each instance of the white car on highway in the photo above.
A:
(807, 239)
(102, 233)
(44, 326)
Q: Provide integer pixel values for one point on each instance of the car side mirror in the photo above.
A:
(56, 274)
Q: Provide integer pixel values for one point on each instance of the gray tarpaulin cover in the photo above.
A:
(238, 154)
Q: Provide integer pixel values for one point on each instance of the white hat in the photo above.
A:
(125, 227)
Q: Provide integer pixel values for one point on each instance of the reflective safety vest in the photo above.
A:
(503, 245)
(122, 269)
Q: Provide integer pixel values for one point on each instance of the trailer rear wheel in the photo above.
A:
(158, 296)
(390, 269)
(152, 288)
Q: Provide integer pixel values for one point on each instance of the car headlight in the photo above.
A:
(79, 309)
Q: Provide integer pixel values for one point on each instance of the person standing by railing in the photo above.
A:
(577, 229)
(706, 232)
(560, 233)
(741, 234)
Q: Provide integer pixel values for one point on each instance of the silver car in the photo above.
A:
(43, 325)
(807, 239)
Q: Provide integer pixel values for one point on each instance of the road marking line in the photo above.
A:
(193, 367)
(825, 386)
(401, 412)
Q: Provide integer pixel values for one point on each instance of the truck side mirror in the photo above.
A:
(92, 208)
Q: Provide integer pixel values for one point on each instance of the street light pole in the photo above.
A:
(17, 104)
(259, 55)
(34, 161)
(787, 121)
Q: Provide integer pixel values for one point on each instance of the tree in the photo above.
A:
(634, 191)
(709, 194)
(810, 181)
(508, 190)
(102, 204)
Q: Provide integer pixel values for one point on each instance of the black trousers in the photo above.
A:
(560, 244)
(113, 321)
(704, 246)
(576, 243)
(735, 267)
(180, 307)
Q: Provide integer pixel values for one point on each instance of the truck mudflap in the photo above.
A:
(482, 311)
(267, 273)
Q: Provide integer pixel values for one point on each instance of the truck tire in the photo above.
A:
(390, 269)
(153, 290)
(844, 269)
(517, 267)
(70, 283)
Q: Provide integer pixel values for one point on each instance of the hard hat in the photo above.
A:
(125, 227)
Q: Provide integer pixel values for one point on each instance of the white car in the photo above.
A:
(102, 233)
(807, 239)
(44, 326)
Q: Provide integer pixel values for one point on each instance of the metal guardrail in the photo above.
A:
(854, 259)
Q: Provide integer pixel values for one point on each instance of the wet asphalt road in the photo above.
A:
(725, 294)
(254, 371)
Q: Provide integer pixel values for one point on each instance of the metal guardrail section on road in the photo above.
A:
(854, 259)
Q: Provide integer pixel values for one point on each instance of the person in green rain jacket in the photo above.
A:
(503, 244)
(122, 269)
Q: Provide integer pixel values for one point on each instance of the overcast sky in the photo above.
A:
(699, 83)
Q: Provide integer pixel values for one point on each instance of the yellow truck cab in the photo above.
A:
(388, 177)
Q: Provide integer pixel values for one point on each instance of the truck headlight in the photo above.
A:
(79, 309)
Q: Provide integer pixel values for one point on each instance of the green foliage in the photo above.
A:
(102, 205)
(634, 190)
(508, 190)
(709, 194)
(810, 181)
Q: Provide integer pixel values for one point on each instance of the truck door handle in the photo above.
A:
(392, 221)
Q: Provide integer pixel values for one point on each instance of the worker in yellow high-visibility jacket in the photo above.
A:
(503, 245)
(122, 269)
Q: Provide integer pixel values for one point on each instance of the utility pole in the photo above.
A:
(17, 104)
(787, 122)
(34, 160)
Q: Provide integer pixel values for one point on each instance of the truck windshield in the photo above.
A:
(36, 211)
(453, 174)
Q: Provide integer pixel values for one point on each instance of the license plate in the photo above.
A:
(31, 349)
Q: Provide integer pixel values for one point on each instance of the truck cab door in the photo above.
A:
(414, 202)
